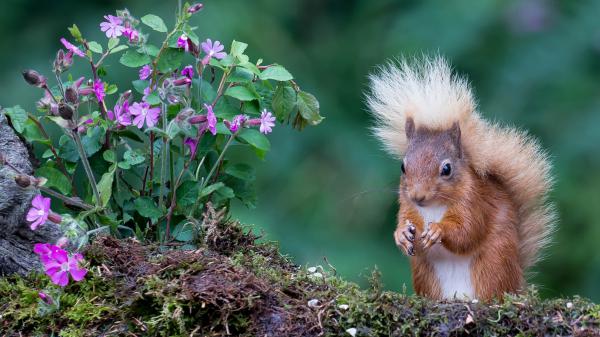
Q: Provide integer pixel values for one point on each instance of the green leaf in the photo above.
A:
(187, 193)
(134, 157)
(95, 47)
(241, 75)
(134, 59)
(277, 73)
(111, 89)
(119, 48)
(210, 189)
(55, 178)
(113, 42)
(140, 85)
(105, 185)
(184, 231)
(241, 171)
(238, 48)
(242, 93)
(308, 106)
(284, 102)
(18, 117)
(91, 145)
(154, 22)
(255, 138)
(147, 208)
(109, 156)
(74, 30)
(170, 59)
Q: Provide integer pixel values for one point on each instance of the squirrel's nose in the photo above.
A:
(418, 199)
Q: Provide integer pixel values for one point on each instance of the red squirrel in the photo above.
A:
(473, 211)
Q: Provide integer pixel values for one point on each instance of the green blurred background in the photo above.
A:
(330, 191)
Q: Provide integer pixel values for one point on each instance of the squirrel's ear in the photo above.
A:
(409, 127)
(455, 136)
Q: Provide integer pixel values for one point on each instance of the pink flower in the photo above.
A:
(112, 26)
(236, 123)
(183, 42)
(39, 211)
(195, 8)
(212, 50)
(120, 115)
(99, 90)
(147, 92)
(71, 47)
(144, 114)
(188, 72)
(193, 144)
(267, 122)
(211, 119)
(132, 34)
(145, 72)
(45, 251)
(60, 265)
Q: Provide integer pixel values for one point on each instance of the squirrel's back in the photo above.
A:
(427, 91)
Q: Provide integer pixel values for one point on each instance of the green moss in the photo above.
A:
(252, 290)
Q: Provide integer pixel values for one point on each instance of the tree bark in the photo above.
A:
(16, 238)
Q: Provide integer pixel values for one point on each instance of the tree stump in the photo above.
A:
(16, 238)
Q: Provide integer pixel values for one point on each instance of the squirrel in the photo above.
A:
(474, 211)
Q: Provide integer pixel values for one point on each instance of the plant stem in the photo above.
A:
(151, 162)
(67, 200)
(87, 168)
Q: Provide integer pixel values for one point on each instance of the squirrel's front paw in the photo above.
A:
(405, 237)
(432, 235)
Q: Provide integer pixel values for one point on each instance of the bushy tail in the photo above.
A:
(427, 91)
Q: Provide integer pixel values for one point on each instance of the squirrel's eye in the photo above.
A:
(402, 168)
(446, 170)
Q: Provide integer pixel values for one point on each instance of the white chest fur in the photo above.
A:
(453, 271)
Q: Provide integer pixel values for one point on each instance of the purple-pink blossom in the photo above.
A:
(188, 72)
(71, 47)
(144, 114)
(145, 72)
(45, 251)
(39, 211)
(132, 34)
(45, 298)
(60, 265)
(193, 144)
(212, 50)
(183, 42)
(112, 26)
(120, 115)
(236, 123)
(99, 90)
(267, 122)
(211, 119)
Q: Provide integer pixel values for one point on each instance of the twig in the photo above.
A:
(67, 200)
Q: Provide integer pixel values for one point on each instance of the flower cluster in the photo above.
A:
(115, 26)
(266, 122)
(58, 264)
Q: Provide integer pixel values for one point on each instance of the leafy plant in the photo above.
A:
(144, 160)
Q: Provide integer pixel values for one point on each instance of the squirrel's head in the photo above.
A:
(433, 164)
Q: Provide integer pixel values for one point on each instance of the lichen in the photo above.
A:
(233, 285)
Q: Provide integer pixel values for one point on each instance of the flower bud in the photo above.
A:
(58, 61)
(23, 180)
(45, 298)
(182, 81)
(86, 91)
(185, 114)
(62, 242)
(57, 219)
(195, 8)
(34, 78)
(71, 95)
(78, 83)
(65, 111)
(197, 119)
(68, 60)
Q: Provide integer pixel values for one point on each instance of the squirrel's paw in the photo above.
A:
(405, 237)
(432, 235)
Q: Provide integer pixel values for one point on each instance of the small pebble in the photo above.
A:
(312, 269)
(313, 303)
(351, 331)
(569, 305)
(343, 306)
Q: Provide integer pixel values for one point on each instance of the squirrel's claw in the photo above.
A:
(404, 240)
(431, 236)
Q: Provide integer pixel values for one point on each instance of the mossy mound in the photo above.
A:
(232, 285)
